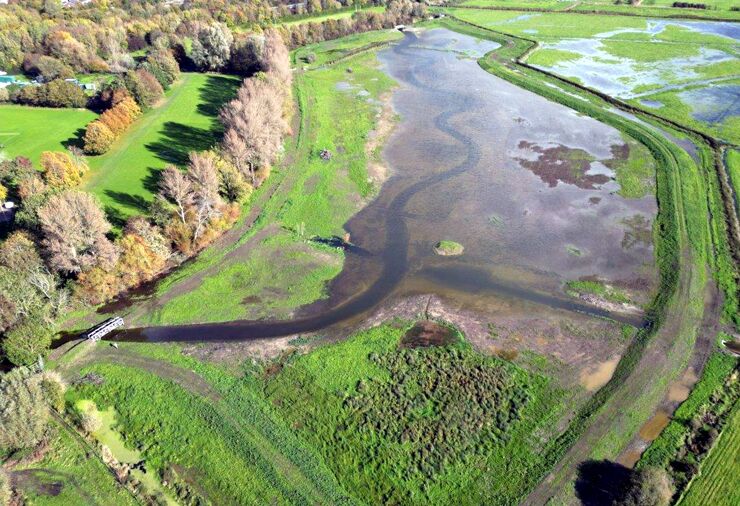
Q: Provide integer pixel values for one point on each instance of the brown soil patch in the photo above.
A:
(234, 354)
(655, 426)
(377, 170)
(679, 390)
(562, 164)
(427, 333)
(594, 377)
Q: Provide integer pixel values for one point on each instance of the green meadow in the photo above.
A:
(29, 131)
(125, 178)
(295, 429)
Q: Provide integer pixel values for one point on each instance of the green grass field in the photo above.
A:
(283, 431)
(125, 178)
(717, 9)
(29, 131)
(292, 20)
(717, 481)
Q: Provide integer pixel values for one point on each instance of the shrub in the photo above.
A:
(98, 138)
(57, 93)
(24, 343)
(61, 170)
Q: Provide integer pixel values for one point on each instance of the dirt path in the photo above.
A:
(710, 327)
(102, 352)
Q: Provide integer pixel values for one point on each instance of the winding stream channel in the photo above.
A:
(526, 185)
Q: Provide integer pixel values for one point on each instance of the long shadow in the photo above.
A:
(602, 483)
(77, 140)
(216, 91)
(177, 140)
(115, 217)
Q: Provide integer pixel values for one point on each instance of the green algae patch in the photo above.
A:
(449, 248)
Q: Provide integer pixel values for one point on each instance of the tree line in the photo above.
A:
(62, 251)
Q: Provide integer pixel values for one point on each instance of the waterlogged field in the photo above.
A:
(29, 131)
(683, 69)
(715, 9)
(125, 179)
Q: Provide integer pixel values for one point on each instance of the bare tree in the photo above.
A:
(203, 173)
(74, 228)
(176, 186)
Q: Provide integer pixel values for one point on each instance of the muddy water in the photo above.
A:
(522, 183)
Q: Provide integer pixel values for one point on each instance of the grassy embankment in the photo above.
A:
(632, 58)
(682, 245)
(276, 266)
(125, 178)
(29, 131)
(711, 395)
(717, 9)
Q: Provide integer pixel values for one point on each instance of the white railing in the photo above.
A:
(100, 330)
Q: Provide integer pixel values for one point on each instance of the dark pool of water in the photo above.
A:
(521, 182)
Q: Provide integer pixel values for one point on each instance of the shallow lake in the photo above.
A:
(524, 184)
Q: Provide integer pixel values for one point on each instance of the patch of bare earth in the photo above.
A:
(568, 340)
(377, 169)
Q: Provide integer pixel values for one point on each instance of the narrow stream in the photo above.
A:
(526, 185)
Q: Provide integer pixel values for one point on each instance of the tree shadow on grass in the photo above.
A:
(216, 91)
(115, 216)
(178, 140)
(77, 140)
(602, 483)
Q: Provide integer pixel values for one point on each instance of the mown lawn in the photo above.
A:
(125, 179)
(292, 20)
(29, 131)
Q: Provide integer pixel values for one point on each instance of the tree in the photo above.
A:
(5, 490)
(177, 187)
(24, 408)
(62, 170)
(163, 66)
(25, 342)
(246, 54)
(212, 47)
(3, 193)
(276, 59)
(650, 486)
(138, 261)
(233, 185)
(98, 138)
(74, 228)
(203, 174)
(254, 126)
